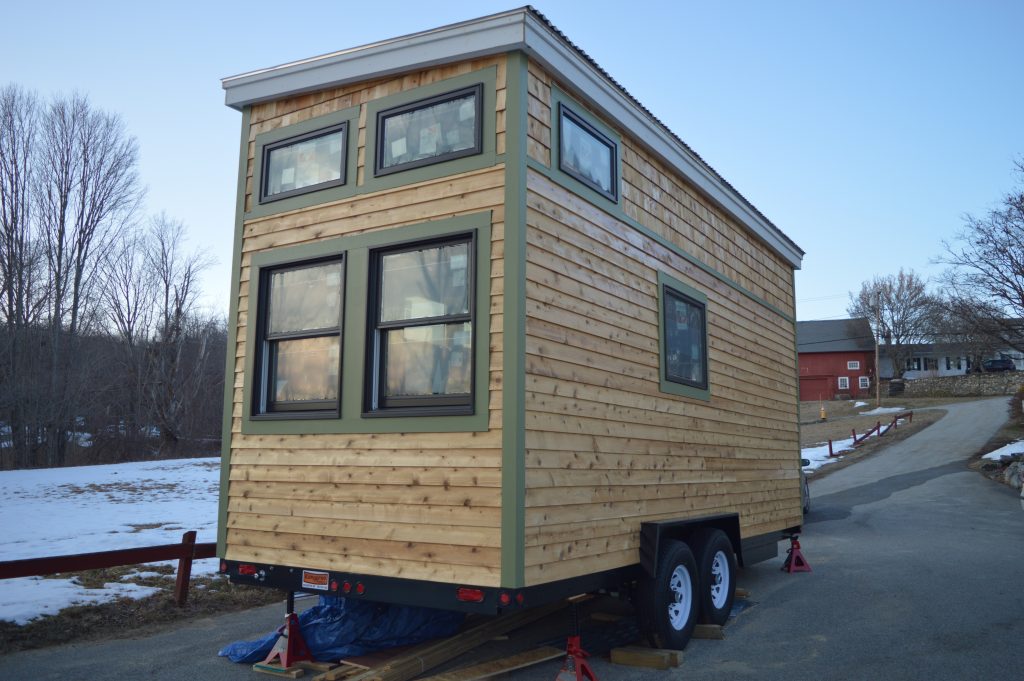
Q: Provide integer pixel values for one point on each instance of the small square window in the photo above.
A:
(853, 365)
(304, 163)
(299, 354)
(586, 154)
(844, 382)
(685, 340)
(430, 131)
(864, 382)
(421, 345)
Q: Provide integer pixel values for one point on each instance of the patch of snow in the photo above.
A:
(858, 405)
(818, 454)
(1006, 451)
(882, 410)
(64, 511)
(28, 598)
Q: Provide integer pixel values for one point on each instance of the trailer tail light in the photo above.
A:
(467, 595)
(520, 598)
(360, 589)
(223, 566)
(347, 587)
(334, 585)
(247, 569)
(505, 599)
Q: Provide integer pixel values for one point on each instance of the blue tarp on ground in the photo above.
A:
(337, 627)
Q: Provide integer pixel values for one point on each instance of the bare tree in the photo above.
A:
(86, 189)
(986, 275)
(901, 312)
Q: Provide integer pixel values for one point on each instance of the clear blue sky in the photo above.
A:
(864, 130)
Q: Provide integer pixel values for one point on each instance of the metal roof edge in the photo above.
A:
(522, 29)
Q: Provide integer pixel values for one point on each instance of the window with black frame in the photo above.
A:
(421, 345)
(587, 154)
(299, 357)
(304, 163)
(685, 340)
(430, 131)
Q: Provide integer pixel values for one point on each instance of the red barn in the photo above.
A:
(837, 359)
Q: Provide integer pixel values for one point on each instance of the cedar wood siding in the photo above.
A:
(417, 506)
(605, 448)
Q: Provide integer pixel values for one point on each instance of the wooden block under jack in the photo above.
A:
(277, 670)
(486, 670)
(651, 658)
(742, 593)
(709, 631)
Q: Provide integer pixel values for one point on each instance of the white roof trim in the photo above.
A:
(497, 34)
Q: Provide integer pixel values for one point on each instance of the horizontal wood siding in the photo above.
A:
(606, 449)
(417, 506)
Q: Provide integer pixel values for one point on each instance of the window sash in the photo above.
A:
(844, 382)
(670, 295)
(268, 167)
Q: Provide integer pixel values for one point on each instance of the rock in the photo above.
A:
(1012, 474)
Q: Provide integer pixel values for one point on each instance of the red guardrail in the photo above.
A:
(185, 552)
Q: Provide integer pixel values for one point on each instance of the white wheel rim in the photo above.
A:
(681, 587)
(719, 580)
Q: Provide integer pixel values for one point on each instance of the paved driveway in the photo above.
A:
(918, 574)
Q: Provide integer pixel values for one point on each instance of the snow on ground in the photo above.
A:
(1006, 451)
(62, 511)
(818, 454)
(882, 410)
(858, 405)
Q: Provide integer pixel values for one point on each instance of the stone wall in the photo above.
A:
(968, 385)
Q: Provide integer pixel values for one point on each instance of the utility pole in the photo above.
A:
(878, 332)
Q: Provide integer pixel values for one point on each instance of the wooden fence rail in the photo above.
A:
(185, 552)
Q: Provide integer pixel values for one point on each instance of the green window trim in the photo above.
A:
(346, 119)
(670, 286)
(405, 175)
(562, 102)
(356, 251)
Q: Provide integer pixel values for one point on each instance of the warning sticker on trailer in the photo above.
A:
(315, 580)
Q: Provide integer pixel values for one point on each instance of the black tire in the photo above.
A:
(667, 603)
(716, 570)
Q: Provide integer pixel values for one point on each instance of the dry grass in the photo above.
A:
(207, 596)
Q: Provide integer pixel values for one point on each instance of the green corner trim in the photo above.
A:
(229, 363)
(667, 386)
(513, 458)
(356, 250)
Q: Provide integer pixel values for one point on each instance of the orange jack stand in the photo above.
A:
(290, 646)
(795, 561)
(575, 668)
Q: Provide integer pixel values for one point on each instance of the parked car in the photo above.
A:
(1000, 364)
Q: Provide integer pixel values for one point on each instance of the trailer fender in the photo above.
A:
(653, 534)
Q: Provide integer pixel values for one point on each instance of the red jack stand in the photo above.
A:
(575, 668)
(795, 561)
(290, 646)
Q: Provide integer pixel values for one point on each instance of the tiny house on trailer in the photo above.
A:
(498, 337)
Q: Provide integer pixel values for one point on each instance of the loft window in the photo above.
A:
(304, 163)
(853, 365)
(421, 329)
(300, 332)
(430, 131)
(586, 154)
(685, 340)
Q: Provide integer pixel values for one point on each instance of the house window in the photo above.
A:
(421, 331)
(863, 382)
(914, 364)
(685, 339)
(304, 163)
(299, 351)
(429, 131)
(853, 365)
(844, 382)
(586, 154)
(931, 364)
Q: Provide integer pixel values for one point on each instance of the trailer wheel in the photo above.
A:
(667, 603)
(716, 567)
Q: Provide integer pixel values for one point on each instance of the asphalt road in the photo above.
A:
(917, 566)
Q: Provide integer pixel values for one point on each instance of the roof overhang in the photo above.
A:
(522, 30)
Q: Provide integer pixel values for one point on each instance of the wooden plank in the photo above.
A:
(709, 631)
(277, 670)
(486, 670)
(650, 658)
(429, 655)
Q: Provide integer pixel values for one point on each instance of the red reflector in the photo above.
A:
(334, 585)
(505, 599)
(223, 566)
(360, 589)
(246, 569)
(468, 595)
(346, 587)
(520, 598)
